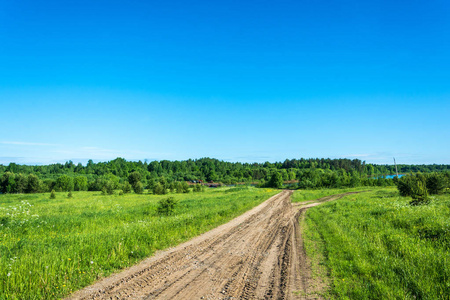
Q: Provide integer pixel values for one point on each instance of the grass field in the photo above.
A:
(374, 245)
(51, 247)
(309, 195)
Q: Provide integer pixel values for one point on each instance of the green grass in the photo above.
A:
(309, 195)
(50, 248)
(376, 246)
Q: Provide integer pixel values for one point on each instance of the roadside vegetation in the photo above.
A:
(51, 247)
(376, 245)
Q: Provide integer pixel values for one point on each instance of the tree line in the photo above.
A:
(162, 176)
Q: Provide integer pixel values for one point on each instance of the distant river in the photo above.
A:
(391, 176)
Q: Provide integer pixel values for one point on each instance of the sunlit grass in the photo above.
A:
(50, 248)
(377, 246)
(313, 194)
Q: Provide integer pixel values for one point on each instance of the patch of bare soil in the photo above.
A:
(258, 255)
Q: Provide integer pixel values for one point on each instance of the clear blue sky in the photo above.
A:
(234, 80)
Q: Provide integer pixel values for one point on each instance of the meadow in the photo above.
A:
(52, 247)
(375, 245)
(313, 194)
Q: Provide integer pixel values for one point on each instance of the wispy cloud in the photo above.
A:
(26, 143)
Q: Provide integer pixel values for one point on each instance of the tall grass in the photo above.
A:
(52, 247)
(377, 246)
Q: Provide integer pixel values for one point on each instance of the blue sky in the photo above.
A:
(234, 80)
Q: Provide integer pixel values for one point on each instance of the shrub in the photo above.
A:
(276, 181)
(198, 188)
(109, 187)
(138, 188)
(64, 183)
(419, 186)
(53, 194)
(173, 187)
(436, 183)
(69, 195)
(179, 188)
(126, 187)
(166, 206)
(158, 189)
(185, 187)
(419, 193)
(404, 185)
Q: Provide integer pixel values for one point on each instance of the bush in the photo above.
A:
(109, 188)
(419, 186)
(276, 181)
(64, 183)
(166, 206)
(185, 187)
(436, 183)
(69, 195)
(173, 187)
(414, 186)
(179, 188)
(138, 188)
(53, 194)
(419, 194)
(158, 189)
(404, 185)
(126, 187)
(198, 188)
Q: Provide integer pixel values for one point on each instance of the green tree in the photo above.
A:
(185, 187)
(109, 187)
(179, 187)
(138, 188)
(158, 189)
(64, 183)
(126, 187)
(80, 183)
(173, 187)
(7, 183)
(164, 183)
(436, 183)
(21, 183)
(276, 181)
(134, 178)
(198, 188)
(53, 194)
(419, 193)
(33, 184)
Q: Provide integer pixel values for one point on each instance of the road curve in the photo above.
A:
(258, 255)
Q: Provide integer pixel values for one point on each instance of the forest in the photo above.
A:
(161, 176)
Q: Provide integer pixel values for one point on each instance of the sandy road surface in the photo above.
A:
(258, 255)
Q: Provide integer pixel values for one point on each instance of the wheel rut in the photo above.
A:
(258, 255)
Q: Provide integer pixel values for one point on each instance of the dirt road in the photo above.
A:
(258, 255)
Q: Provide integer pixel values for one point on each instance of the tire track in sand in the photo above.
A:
(258, 255)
